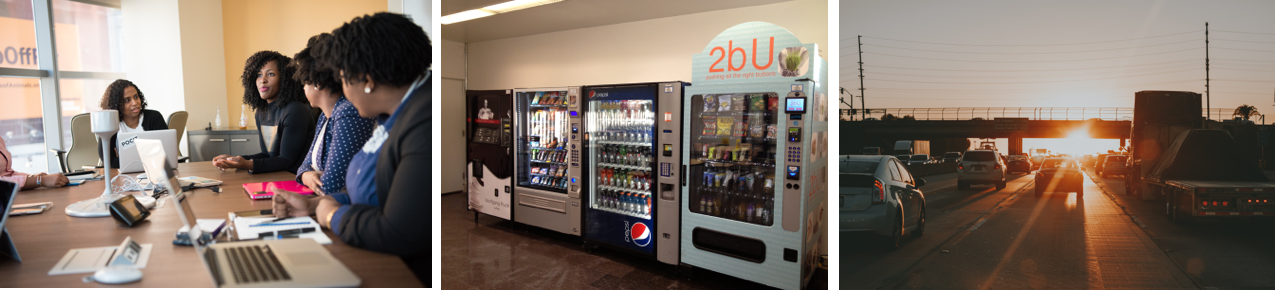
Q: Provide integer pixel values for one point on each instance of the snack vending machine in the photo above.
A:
(632, 155)
(755, 190)
(541, 196)
(489, 153)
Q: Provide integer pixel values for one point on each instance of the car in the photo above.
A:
(871, 150)
(1113, 165)
(1036, 160)
(919, 159)
(951, 157)
(980, 167)
(1018, 163)
(880, 196)
(1060, 175)
(1097, 168)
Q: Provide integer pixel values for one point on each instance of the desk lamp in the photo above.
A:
(105, 124)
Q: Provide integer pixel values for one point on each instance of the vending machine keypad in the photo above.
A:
(794, 154)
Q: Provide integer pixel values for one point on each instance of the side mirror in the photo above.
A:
(920, 182)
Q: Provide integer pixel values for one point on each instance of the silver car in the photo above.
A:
(880, 196)
(980, 167)
(1114, 165)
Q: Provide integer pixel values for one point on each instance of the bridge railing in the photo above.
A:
(1032, 113)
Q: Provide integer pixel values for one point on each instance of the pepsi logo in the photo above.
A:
(591, 93)
(641, 234)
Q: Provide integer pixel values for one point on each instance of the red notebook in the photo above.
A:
(263, 190)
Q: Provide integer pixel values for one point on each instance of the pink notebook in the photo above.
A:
(263, 190)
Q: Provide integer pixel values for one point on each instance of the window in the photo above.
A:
(89, 58)
(869, 167)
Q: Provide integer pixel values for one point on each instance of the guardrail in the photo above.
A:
(1036, 113)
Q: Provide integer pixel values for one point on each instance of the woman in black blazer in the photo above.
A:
(126, 98)
(284, 119)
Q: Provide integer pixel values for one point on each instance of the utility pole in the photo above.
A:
(864, 107)
(1207, 100)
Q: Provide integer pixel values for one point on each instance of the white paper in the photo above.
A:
(245, 230)
(88, 260)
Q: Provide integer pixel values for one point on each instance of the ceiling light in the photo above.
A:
(465, 15)
(518, 5)
(506, 7)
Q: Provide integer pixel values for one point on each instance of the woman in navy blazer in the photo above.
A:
(340, 132)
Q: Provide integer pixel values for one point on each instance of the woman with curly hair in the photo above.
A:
(341, 132)
(123, 96)
(383, 61)
(284, 120)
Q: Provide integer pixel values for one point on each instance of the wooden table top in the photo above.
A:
(43, 239)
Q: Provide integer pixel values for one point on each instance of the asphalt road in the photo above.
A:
(983, 238)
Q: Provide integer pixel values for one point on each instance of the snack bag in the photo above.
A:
(740, 129)
(710, 103)
(770, 132)
(724, 101)
(710, 126)
(724, 125)
(757, 103)
(772, 103)
(758, 131)
(737, 103)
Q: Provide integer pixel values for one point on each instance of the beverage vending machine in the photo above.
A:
(632, 154)
(542, 138)
(489, 153)
(755, 190)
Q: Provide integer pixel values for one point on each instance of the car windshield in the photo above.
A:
(952, 155)
(859, 167)
(1055, 163)
(980, 156)
(1118, 159)
(1017, 158)
(920, 157)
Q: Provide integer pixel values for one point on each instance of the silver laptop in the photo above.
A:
(8, 192)
(127, 146)
(254, 264)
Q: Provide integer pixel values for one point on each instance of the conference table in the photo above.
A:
(43, 239)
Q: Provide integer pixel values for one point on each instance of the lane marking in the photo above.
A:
(979, 224)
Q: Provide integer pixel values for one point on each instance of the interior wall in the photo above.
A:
(643, 51)
(453, 116)
(203, 63)
(153, 52)
(282, 25)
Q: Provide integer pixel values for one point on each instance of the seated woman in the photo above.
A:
(124, 97)
(26, 181)
(383, 62)
(341, 132)
(284, 121)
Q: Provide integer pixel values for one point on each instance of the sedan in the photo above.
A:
(1113, 165)
(1060, 175)
(1018, 163)
(878, 195)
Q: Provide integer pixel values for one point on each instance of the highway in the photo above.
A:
(983, 238)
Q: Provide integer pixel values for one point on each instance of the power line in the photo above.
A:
(1246, 81)
(1259, 33)
(1011, 83)
(1268, 42)
(1079, 43)
(1265, 94)
(1029, 53)
(1067, 60)
(1257, 50)
(1033, 90)
(1171, 69)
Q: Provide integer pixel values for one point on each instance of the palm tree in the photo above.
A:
(889, 117)
(1245, 111)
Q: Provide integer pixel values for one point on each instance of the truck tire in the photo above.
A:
(1148, 192)
(1172, 202)
(1000, 185)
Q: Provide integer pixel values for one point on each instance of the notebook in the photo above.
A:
(264, 190)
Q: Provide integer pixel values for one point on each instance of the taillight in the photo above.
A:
(1214, 203)
(878, 192)
(1204, 203)
(1224, 203)
(997, 166)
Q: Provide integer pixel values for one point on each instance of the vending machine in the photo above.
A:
(755, 186)
(542, 139)
(489, 152)
(632, 152)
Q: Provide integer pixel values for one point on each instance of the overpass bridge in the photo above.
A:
(1005, 122)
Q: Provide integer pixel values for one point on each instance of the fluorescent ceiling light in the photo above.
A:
(466, 15)
(518, 5)
(506, 7)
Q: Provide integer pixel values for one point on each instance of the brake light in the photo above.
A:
(1204, 203)
(997, 166)
(878, 192)
(1224, 203)
(1214, 203)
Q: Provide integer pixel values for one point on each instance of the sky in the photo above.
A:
(994, 53)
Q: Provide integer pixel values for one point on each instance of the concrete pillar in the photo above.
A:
(1016, 145)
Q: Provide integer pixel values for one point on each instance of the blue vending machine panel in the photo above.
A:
(620, 230)
(620, 128)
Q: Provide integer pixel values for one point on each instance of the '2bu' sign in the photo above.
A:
(752, 51)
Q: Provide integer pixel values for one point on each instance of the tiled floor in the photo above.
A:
(497, 254)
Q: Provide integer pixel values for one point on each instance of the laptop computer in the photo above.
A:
(130, 162)
(254, 264)
(8, 192)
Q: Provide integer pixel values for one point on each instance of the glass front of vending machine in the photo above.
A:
(541, 164)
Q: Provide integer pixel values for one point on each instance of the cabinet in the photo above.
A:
(204, 145)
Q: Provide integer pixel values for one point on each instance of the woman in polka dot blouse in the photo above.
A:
(340, 132)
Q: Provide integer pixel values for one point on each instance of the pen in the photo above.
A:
(279, 224)
(275, 220)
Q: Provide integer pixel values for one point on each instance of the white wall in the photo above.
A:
(643, 51)
(453, 116)
(177, 73)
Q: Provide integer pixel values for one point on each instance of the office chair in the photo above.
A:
(83, 151)
(177, 121)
